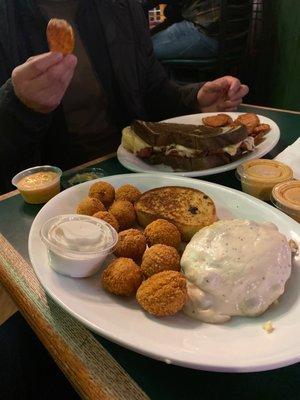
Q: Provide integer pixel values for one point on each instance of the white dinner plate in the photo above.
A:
(239, 345)
(133, 163)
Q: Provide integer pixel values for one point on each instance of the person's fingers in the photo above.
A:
(35, 66)
(44, 93)
(233, 86)
(230, 104)
(243, 91)
(213, 87)
(55, 76)
(230, 109)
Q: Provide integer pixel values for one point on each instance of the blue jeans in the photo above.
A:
(183, 40)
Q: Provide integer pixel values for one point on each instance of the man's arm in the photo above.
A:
(27, 100)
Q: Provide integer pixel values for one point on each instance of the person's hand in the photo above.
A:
(40, 83)
(223, 94)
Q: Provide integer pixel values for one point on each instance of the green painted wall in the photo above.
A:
(274, 72)
(286, 92)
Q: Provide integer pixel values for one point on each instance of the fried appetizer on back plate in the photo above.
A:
(160, 258)
(162, 231)
(216, 121)
(103, 191)
(249, 120)
(90, 206)
(109, 218)
(163, 294)
(122, 277)
(261, 129)
(128, 192)
(124, 212)
(131, 244)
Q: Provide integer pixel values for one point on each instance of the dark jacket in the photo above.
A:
(135, 83)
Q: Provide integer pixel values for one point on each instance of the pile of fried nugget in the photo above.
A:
(251, 121)
(147, 262)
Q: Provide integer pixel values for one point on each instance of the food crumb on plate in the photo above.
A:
(268, 327)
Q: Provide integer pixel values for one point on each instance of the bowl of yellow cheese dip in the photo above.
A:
(258, 177)
(39, 184)
(286, 197)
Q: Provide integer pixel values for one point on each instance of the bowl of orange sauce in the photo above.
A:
(259, 176)
(39, 184)
(286, 197)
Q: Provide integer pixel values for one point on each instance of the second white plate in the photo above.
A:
(133, 163)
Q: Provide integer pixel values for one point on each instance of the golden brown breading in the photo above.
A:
(250, 121)
(60, 36)
(124, 212)
(131, 244)
(103, 191)
(128, 192)
(217, 121)
(163, 294)
(162, 231)
(261, 129)
(90, 206)
(109, 218)
(122, 277)
(159, 258)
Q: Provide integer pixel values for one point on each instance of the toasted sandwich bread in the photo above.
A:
(181, 157)
(197, 137)
(189, 209)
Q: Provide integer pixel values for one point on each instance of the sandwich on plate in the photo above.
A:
(186, 147)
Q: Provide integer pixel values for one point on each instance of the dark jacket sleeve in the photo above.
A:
(163, 97)
(12, 107)
(21, 132)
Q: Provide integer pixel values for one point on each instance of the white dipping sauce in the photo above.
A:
(235, 267)
(79, 235)
(78, 244)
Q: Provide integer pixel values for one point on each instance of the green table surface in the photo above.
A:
(159, 380)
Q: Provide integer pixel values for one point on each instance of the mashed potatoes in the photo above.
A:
(235, 267)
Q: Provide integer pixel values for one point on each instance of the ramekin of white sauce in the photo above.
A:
(78, 244)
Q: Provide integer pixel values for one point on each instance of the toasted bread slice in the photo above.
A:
(198, 137)
(189, 209)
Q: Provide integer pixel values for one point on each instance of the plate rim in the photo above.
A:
(240, 368)
(206, 172)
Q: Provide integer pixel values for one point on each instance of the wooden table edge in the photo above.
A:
(91, 370)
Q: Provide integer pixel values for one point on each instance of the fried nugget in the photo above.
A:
(163, 294)
(109, 218)
(131, 244)
(128, 192)
(103, 191)
(60, 36)
(159, 258)
(217, 121)
(122, 277)
(162, 231)
(261, 129)
(90, 206)
(249, 120)
(124, 212)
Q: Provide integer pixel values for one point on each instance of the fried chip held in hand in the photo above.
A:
(60, 36)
